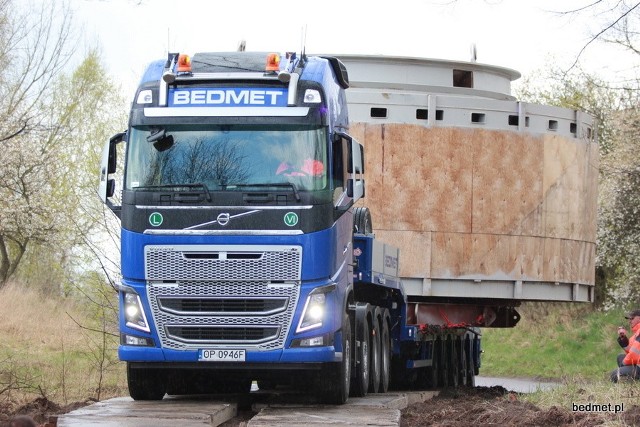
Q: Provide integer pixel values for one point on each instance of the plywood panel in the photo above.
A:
(418, 179)
(483, 204)
(487, 256)
(415, 259)
(570, 183)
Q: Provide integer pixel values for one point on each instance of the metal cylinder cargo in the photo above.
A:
(485, 196)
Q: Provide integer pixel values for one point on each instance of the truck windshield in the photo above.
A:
(221, 157)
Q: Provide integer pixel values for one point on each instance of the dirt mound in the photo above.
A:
(498, 406)
(40, 409)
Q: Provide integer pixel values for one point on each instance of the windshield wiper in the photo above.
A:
(275, 184)
(194, 185)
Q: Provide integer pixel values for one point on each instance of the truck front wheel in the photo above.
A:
(334, 387)
(360, 387)
(146, 384)
(375, 349)
(385, 353)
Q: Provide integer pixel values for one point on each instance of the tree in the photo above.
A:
(619, 23)
(619, 210)
(53, 128)
(35, 46)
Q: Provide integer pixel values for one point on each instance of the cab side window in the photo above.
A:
(339, 170)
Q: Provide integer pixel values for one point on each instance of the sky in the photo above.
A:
(519, 34)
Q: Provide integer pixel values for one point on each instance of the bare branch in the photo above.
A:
(600, 33)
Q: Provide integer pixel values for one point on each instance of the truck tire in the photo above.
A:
(362, 220)
(375, 351)
(334, 388)
(454, 363)
(463, 354)
(443, 372)
(385, 353)
(471, 375)
(145, 384)
(434, 371)
(360, 385)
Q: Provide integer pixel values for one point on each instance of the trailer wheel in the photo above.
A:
(443, 377)
(145, 384)
(454, 363)
(434, 371)
(471, 376)
(385, 353)
(334, 387)
(360, 386)
(375, 346)
(462, 362)
(362, 220)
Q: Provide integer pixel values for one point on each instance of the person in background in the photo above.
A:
(310, 167)
(629, 361)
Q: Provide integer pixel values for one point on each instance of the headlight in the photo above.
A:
(133, 312)
(314, 312)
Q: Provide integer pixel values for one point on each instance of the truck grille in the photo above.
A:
(254, 310)
(206, 334)
(223, 305)
(207, 262)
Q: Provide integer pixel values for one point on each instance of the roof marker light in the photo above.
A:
(312, 96)
(145, 97)
(184, 63)
(273, 62)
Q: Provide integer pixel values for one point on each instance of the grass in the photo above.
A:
(554, 341)
(45, 352)
(569, 343)
(582, 391)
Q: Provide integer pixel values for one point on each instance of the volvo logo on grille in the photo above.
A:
(223, 219)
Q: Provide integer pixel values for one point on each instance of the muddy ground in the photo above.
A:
(484, 406)
(465, 407)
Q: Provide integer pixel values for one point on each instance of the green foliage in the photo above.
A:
(555, 341)
(51, 133)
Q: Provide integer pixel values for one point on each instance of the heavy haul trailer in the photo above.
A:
(247, 255)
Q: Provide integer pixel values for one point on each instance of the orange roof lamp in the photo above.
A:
(273, 63)
(181, 65)
(184, 63)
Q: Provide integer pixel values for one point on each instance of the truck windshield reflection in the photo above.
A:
(229, 158)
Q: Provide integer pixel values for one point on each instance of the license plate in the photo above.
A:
(221, 355)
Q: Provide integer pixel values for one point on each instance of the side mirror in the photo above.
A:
(113, 159)
(355, 183)
(107, 186)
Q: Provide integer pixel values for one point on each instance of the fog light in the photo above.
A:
(137, 341)
(312, 342)
(325, 340)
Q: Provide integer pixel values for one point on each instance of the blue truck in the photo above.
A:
(247, 251)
